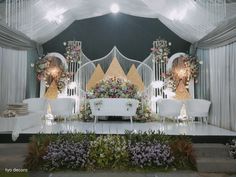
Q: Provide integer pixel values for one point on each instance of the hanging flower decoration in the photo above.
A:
(160, 50)
(184, 68)
(51, 69)
(73, 49)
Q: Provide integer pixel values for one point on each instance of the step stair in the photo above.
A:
(12, 155)
(214, 158)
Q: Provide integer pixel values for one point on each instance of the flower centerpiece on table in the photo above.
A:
(114, 87)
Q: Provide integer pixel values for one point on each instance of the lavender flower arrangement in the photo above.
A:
(66, 154)
(150, 154)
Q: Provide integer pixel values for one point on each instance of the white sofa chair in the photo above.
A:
(197, 108)
(36, 105)
(169, 108)
(113, 107)
(62, 107)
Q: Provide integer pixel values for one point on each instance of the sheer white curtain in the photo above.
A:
(217, 82)
(13, 74)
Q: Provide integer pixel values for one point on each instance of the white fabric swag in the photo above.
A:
(42, 20)
(13, 72)
(217, 82)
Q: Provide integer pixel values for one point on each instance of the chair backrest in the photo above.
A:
(197, 107)
(170, 107)
(36, 104)
(62, 106)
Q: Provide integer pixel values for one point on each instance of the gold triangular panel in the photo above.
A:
(115, 70)
(181, 92)
(97, 75)
(134, 77)
(52, 91)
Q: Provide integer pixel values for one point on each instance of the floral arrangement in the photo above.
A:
(150, 154)
(73, 50)
(143, 113)
(87, 151)
(85, 113)
(52, 69)
(9, 113)
(185, 72)
(232, 148)
(108, 152)
(160, 50)
(113, 88)
(66, 155)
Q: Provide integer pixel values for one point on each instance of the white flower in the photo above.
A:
(200, 62)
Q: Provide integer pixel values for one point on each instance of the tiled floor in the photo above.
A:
(119, 127)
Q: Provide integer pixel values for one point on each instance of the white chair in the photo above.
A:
(197, 108)
(169, 108)
(36, 105)
(62, 107)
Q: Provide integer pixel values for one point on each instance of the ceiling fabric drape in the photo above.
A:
(42, 20)
(10, 38)
(223, 35)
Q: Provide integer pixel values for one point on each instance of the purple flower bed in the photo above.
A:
(149, 154)
(66, 154)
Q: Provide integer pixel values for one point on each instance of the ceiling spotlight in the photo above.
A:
(115, 8)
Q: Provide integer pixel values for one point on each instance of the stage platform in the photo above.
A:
(197, 131)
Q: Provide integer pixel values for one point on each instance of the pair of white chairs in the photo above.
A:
(194, 108)
(63, 107)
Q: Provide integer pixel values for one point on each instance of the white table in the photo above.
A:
(113, 107)
(19, 123)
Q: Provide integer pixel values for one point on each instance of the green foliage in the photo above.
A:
(108, 152)
(149, 136)
(75, 137)
(114, 88)
(36, 150)
(182, 150)
(111, 151)
(13, 174)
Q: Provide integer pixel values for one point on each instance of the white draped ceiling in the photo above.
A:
(41, 20)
